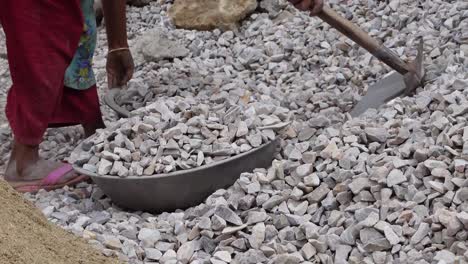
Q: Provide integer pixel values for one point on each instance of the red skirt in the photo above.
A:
(42, 37)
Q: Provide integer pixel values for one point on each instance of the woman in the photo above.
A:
(50, 45)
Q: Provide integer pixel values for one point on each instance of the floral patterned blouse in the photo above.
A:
(79, 75)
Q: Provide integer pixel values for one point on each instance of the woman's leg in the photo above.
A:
(90, 128)
(42, 37)
(79, 107)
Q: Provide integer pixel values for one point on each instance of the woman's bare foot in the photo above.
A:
(25, 166)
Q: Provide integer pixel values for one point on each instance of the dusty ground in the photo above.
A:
(27, 237)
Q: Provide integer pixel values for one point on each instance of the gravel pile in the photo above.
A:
(176, 133)
(388, 187)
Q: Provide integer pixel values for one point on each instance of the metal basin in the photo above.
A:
(181, 189)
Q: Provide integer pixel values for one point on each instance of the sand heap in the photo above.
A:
(27, 237)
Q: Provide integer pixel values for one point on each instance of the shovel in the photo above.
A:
(404, 81)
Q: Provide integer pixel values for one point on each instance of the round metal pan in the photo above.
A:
(181, 189)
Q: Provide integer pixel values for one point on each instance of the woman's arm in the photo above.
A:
(116, 23)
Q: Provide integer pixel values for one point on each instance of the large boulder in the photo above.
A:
(210, 14)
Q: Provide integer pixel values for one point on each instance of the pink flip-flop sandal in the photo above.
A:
(51, 182)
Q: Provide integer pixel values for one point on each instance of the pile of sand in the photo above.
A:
(27, 237)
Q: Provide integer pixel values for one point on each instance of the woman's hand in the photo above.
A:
(314, 6)
(119, 59)
(119, 68)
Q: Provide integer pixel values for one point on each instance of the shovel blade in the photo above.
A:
(380, 93)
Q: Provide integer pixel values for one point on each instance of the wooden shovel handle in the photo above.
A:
(363, 39)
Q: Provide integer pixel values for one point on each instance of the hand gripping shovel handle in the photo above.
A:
(364, 40)
(109, 99)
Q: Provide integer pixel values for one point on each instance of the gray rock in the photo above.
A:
(258, 236)
(153, 254)
(224, 256)
(438, 186)
(308, 251)
(251, 256)
(329, 203)
(280, 221)
(304, 170)
(90, 168)
(272, 202)
(373, 240)
(242, 129)
(109, 156)
(379, 257)
(370, 221)
(168, 257)
(254, 217)
(231, 230)
(391, 236)
(228, 215)
(420, 155)
(342, 252)
(149, 237)
(204, 223)
(185, 252)
(375, 134)
(359, 184)
(124, 154)
(312, 180)
(463, 218)
(395, 177)
(217, 223)
(305, 133)
(331, 151)
(112, 242)
(422, 232)
(239, 244)
(255, 140)
(285, 259)
(433, 164)
(104, 167)
(349, 235)
(213, 261)
(318, 194)
(119, 169)
(319, 122)
(445, 256)
(449, 219)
